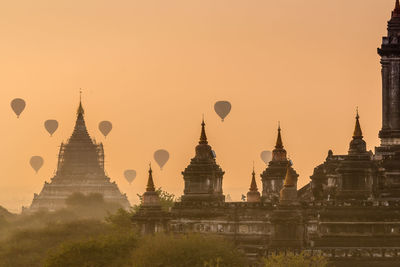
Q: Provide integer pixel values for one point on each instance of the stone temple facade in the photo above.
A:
(80, 169)
(349, 211)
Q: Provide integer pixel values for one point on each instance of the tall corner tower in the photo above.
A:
(390, 60)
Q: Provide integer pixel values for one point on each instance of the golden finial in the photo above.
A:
(289, 179)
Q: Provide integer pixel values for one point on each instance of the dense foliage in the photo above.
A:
(29, 247)
(296, 260)
(166, 200)
(26, 239)
(186, 250)
(92, 232)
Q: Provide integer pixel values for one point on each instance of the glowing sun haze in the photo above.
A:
(154, 67)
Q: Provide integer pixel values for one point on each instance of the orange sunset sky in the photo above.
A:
(154, 67)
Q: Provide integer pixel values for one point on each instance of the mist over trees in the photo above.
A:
(93, 232)
(96, 233)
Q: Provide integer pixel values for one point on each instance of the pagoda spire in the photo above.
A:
(80, 131)
(203, 136)
(150, 183)
(357, 145)
(253, 195)
(396, 11)
(357, 129)
(279, 143)
(80, 111)
(253, 185)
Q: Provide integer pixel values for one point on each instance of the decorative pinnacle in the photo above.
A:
(80, 111)
(279, 143)
(253, 185)
(289, 179)
(150, 183)
(396, 11)
(203, 136)
(357, 129)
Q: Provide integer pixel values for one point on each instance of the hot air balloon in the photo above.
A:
(105, 127)
(18, 105)
(130, 175)
(161, 156)
(51, 126)
(36, 163)
(222, 108)
(266, 156)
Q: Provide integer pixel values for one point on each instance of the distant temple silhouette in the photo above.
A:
(80, 169)
(349, 211)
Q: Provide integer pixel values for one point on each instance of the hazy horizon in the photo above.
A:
(153, 68)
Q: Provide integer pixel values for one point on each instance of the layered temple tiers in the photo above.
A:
(80, 169)
(349, 212)
(274, 175)
(203, 176)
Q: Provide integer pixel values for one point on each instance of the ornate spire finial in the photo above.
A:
(357, 129)
(396, 11)
(150, 183)
(253, 185)
(80, 111)
(279, 143)
(203, 136)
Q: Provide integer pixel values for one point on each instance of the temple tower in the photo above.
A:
(151, 218)
(390, 60)
(203, 176)
(80, 169)
(274, 175)
(357, 169)
(253, 195)
(150, 197)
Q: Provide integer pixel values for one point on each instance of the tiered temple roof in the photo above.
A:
(203, 176)
(80, 169)
(274, 175)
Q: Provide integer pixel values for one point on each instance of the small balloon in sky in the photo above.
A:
(105, 127)
(36, 163)
(161, 156)
(51, 126)
(222, 108)
(18, 105)
(266, 156)
(130, 175)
